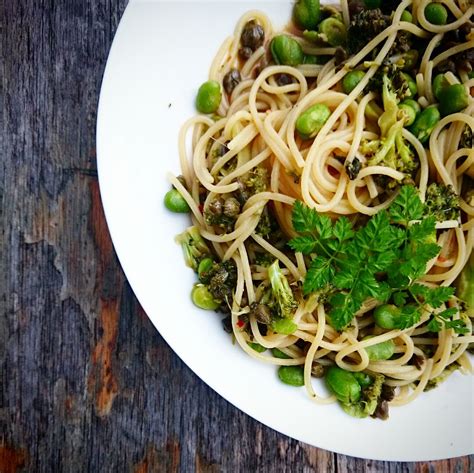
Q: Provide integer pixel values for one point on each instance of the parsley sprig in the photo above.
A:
(383, 260)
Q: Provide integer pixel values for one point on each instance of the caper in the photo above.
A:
(231, 207)
(343, 384)
(436, 13)
(231, 80)
(312, 120)
(245, 52)
(215, 207)
(334, 31)
(286, 50)
(209, 97)
(252, 36)
(317, 370)
(284, 79)
(306, 14)
(261, 312)
(425, 122)
(292, 375)
(351, 79)
(175, 202)
(202, 298)
(452, 99)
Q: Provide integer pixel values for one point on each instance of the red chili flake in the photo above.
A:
(333, 171)
(201, 208)
(240, 323)
(441, 259)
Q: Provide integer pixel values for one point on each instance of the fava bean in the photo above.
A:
(439, 83)
(411, 84)
(351, 79)
(257, 347)
(292, 375)
(385, 316)
(334, 31)
(452, 99)
(436, 13)
(425, 122)
(204, 267)
(406, 16)
(209, 97)
(307, 14)
(202, 298)
(410, 109)
(312, 120)
(380, 351)
(286, 50)
(175, 202)
(343, 384)
(277, 353)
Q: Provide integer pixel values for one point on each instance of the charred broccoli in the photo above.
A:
(366, 25)
(194, 247)
(221, 280)
(281, 291)
(390, 150)
(442, 202)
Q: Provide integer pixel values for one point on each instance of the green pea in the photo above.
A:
(306, 14)
(319, 60)
(204, 267)
(312, 120)
(351, 79)
(439, 83)
(407, 16)
(334, 31)
(209, 97)
(411, 84)
(436, 13)
(286, 50)
(202, 298)
(452, 99)
(292, 375)
(410, 109)
(385, 316)
(257, 347)
(277, 353)
(380, 351)
(425, 122)
(343, 384)
(175, 202)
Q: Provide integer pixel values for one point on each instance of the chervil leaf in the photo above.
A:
(377, 234)
(306, 220)
(400, 298)
(407, 206)
(444, 320)
(343, 229)
(416, 257)
(448, 313)
(420, 231)
(319, 274)
(343, 310)
(343, 280)
(434, 325)
(435, 296)
(409, 316)
(303, 244)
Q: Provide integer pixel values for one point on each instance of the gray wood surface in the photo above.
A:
(87, 383)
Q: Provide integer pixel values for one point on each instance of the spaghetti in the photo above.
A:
(253, 138)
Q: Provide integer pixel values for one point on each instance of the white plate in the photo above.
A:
(160, 56)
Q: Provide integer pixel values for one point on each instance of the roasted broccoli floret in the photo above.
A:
(366, 25)
(284, 302)
(466, 138)
(442, 202)
(390, 150)
(194, 247)
(253, 182)
(398, 81)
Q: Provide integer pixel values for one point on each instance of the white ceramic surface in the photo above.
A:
(160, 56)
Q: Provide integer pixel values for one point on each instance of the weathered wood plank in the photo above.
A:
(87, 383)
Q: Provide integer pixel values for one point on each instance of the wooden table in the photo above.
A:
(88, 385)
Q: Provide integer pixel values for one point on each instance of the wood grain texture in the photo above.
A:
(87, 384)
